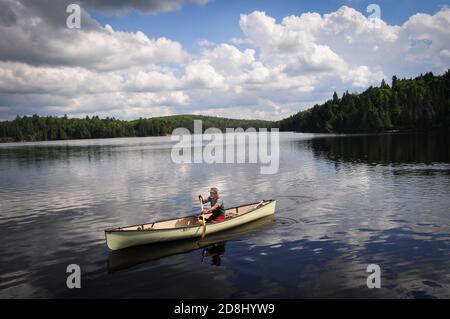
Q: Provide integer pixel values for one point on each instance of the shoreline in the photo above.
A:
(10, 140)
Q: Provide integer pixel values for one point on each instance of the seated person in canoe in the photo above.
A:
(217, 208)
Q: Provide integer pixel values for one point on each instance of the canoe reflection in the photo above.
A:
(213, 245)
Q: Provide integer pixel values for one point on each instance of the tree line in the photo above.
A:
(46, 128)
(422, 103)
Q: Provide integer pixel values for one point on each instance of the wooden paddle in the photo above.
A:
(204, 219)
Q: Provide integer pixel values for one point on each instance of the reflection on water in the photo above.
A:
(385, 149)
(343, 202)
(215, 252)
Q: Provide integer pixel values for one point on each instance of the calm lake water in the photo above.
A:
(343, 202)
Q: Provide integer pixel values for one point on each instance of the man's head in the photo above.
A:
(213, 192)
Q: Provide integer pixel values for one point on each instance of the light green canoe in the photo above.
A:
(130, 257)
(185, 227)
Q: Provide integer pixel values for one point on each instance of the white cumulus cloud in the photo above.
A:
(272, 70)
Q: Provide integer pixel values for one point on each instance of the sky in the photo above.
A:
(242, 59)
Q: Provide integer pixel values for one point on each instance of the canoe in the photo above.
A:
(185, 227)
(126, 258)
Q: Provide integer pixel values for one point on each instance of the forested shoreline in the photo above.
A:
(422, 103)
(48, 128)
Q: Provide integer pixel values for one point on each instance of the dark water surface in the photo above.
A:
(343, 202)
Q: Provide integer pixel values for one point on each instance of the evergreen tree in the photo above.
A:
(335, 97)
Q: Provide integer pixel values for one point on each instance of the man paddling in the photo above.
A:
(217, 209)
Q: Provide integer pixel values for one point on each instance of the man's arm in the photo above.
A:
(212, 209)
(204, 201)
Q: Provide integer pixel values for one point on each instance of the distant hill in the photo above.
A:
(422, 103)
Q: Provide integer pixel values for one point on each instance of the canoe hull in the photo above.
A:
(123, 239)
(132, 256)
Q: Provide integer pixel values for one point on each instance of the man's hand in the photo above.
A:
(205, 212)
(200, 197)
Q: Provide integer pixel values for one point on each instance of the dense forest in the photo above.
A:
(422, 103)
(39, 128)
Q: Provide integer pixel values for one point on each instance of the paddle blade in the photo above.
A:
(204, 230)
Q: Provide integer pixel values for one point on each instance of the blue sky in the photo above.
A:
(218, 20)
(143, 58)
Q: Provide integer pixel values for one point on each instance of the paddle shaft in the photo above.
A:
(204, 220)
